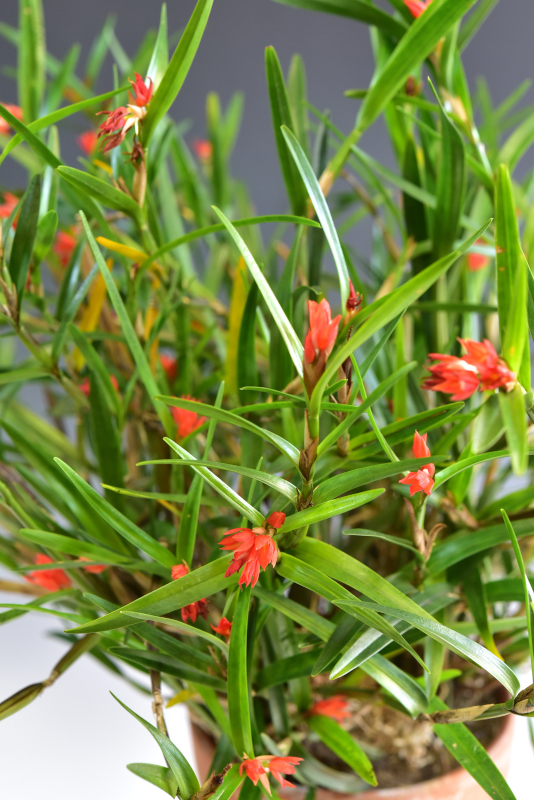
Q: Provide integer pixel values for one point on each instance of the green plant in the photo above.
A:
(213, 395)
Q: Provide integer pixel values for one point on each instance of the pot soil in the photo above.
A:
(454, 785)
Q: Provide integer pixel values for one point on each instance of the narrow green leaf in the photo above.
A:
(238, 697)
(21, 252)
(527, 588)
(291, 339)
(451, 639)
(358, 10)
(176, 72)
(181, 769)
(128, 331)
(161, 777)
(515, 422)
(181, 626)
(101, 191)
(415, 46)
(201, 582)
(282, 116)
(118, 521)
(160, 56)
(467, 750)
(343, 745)
(328, 510)
(321, 208)
(31, 62)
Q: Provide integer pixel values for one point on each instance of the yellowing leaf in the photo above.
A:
(237, 307)
(91, 313)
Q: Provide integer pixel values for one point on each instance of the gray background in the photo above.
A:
(76, 740)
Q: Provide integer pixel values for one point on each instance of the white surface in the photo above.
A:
(73, 742)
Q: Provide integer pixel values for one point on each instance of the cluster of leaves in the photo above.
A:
(166, 308)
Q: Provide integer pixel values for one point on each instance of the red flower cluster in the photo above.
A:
(5, 126)
(319, 341)
(257, 768)
(254, 549)
(336, 707)
(187, 421)
(64, 246)
(417, 7)
(53, 580)
(193, 610)
(88, 141)
(119, 121)
(481, 368)
(224, 628)
(423, 479)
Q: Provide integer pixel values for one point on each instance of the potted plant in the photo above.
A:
(295, 498)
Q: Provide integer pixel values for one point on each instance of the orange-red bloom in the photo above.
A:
(96, 569)
(64, 246)
(170, 366)
(51, 579)
(88, 141)
(254, 549)
(323, 330)
(193, 610)
(423, 479)
(257, 769)
(336, 707)
(494, 372)
(187, 421)
(481, 368)
(417, 7)
(5, 127)
(203, 150)
(319, 341)
(224, 627)
(85, 385)
(8, 206)
(119, 121)
(477, 261)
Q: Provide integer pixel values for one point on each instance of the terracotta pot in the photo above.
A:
(455, 785)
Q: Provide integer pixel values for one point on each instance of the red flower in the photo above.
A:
(193, 610)
(170, 366)
(64, 246)
(187, 421)
(417, 7)
(224, 627)
(335, 707)
(88, 141)
(5, 127)
(494, 372)
(85, 385)
(143, 92)
(452, 375)
(8, 206)
(480, 369)
(203, 150)
(319, 341)
(477, 261)
(257, 768)
(96, 569)
(119, 121)
(423, 479)
(51, 579)
(254, 549)
(276, 519)
(323, 330)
